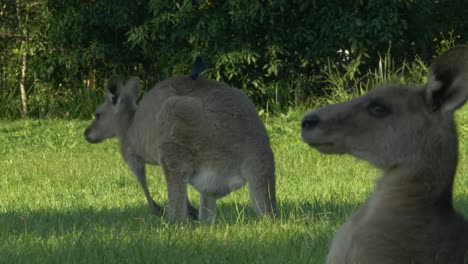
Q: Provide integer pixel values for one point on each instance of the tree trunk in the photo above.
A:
(24, 65)
(22, 25)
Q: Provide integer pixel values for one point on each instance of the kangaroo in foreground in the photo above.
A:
(410, 134)
(201, 132)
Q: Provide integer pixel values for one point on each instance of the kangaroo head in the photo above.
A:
(114, 115)
(396, 125)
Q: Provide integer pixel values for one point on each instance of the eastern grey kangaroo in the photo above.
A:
(410, 134)
(201, 132)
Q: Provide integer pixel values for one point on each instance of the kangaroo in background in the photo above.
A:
(410, 134)
(201, 132)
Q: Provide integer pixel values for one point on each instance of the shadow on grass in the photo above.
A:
(45, 222)
(135, 235)
(51, 221)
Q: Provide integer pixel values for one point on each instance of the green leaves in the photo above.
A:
(138, 36)
(257, 46)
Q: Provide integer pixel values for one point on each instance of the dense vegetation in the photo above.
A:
(56, 54)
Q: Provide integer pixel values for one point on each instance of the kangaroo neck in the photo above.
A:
(125, 121)
(427, 186)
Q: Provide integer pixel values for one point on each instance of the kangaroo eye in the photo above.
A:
(378, 110)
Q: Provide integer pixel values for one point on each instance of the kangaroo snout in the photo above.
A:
(89, 137)
(310, 121)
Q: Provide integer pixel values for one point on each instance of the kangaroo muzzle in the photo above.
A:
(89, 136)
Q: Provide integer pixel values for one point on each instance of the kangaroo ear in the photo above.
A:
(447, 85)
(114, 85)
(132, 88)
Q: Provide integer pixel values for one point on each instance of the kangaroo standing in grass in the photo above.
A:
(410, 134)
(201, 132)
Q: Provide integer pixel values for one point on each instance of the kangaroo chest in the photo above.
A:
(384, 235)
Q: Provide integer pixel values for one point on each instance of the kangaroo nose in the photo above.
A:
(310, 122)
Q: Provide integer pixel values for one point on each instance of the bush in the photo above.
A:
(277, 50)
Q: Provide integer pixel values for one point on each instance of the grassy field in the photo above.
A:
(63, 200)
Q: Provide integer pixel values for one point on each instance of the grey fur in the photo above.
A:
(201, 132)
(410, 134)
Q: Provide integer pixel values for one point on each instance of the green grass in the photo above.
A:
(63, 200)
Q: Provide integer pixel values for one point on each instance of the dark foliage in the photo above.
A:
(274, 50)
